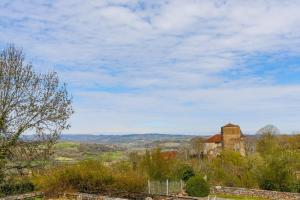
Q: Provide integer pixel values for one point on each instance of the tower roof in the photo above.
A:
(214, 139)
(231, 125)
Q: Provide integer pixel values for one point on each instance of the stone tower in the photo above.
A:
(232, 138)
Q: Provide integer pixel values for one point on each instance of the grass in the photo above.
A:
(70, 151)
(111, 156)
(105, 156)
(236, 197)
(63, 145)
(61, 158)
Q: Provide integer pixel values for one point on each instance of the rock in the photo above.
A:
(218, 187)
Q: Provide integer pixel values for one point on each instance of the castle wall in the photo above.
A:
(230, 136)
(210, 148)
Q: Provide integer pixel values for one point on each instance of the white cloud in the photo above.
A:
(181, 64)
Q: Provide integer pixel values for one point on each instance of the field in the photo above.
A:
(70, 151)
(111, 148)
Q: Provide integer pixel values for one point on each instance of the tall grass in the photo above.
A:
(89, 177)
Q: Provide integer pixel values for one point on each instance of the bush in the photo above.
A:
(197, 187)
(186, 172)
(267, 185)
(89, 177)
(16, 188)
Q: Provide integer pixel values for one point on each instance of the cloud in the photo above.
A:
(177, 109)
(181, 65)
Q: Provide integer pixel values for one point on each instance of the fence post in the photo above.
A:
(181, 186)
(167, 187)
(149, 187)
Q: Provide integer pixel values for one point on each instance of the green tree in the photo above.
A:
(232, 169)
(185, 172)
(281, 160)
(197, 187)
(279, 171)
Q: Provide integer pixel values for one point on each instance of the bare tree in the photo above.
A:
(268, 129)
(250, 144)
(197, 144)
(31, 103)
(268, 141)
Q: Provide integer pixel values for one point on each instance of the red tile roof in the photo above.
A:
(214, 139)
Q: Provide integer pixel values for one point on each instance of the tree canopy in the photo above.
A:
(32, 103)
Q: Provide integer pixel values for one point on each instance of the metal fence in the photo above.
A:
(165, 187)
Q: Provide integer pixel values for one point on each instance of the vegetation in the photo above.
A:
(281, 161)
(90, 177)
(155, 166)
(185, 172)
(18, 187)
(69, 151)
(232, 169)
(30, 102)
(238, 197)
(197, 187)
(272, 167)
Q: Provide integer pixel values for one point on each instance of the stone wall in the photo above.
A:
(232, 138)
(84, 196)
(23, 196)
(266, 194)
(230, 135)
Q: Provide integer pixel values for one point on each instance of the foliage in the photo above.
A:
(267, 144)
(281, 159)
(197, 144)
(16, 188)
(75, 151)
(89, 177)
(278, 173)
(185, 172)
(29, 102)
(156, 166)
(134, 159)
(238, 197)
(197, 186)
(268, 129)
(232, 169)
(66, 145)
(273, 167)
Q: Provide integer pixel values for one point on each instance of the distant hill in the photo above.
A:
(148, 137)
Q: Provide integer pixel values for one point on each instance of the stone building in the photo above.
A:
(230, 137)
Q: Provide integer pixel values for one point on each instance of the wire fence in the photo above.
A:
(165, 187)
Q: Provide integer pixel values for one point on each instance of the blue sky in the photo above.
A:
(166, 66)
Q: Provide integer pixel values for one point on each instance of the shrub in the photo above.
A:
(88, 177)
(296, 187)
(16, 188)
(197, 186)
(186, 172)
(267, 185)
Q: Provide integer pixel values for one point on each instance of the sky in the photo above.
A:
(138, 66)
